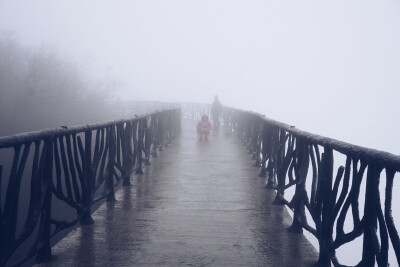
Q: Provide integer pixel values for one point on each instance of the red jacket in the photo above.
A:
(204, 126)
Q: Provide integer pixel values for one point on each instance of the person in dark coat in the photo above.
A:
(216, 110)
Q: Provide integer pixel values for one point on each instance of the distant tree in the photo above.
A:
(40, 90)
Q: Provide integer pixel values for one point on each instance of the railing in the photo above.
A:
(195, 110)
(127, 109)
(288, 155)
(130, 108)
(77, 167)
(70, 169)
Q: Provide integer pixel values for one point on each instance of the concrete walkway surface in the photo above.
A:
(198, 204)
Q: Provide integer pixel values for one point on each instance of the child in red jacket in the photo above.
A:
(204, 127)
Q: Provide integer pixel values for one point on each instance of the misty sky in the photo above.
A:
(332, 68)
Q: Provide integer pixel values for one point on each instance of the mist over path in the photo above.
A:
(198, 204)
(330, 68)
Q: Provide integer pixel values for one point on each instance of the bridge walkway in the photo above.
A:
(198, 204)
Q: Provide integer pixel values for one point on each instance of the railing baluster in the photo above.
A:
(88, 183)
(44, 247)
(104, 158)
(64, 165)
(370, 240)
(393, 233)
(155, 135)
(301, 170)
(118, 145)
(382, 257)
(111, 162)
(1, 206)
(73, 162)
(139, 155)
(265, 147)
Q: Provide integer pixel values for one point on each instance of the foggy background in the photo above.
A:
(328, 68)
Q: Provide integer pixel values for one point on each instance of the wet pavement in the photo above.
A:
(198, 204)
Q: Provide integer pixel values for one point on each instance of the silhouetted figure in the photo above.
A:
(204, 127)
(216, 110)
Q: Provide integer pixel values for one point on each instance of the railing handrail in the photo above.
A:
(22, 138)
(77, 167)
(290, 157)
(355, 151)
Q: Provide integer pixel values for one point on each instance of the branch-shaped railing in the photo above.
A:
(130, 108)
(289, 156)
(70, 168)
(195, 110)
(78, 167)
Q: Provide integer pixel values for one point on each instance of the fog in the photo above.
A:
(329, 68)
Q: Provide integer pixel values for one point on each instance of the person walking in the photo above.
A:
(216, 110)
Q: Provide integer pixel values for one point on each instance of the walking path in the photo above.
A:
(198, 204)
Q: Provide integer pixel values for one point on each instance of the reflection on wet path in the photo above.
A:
(198, 204)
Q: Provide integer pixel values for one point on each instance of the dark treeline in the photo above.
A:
(39, 89)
